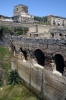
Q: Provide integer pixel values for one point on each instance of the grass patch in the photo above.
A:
(5, 63)
(4, 52)
(17, 92)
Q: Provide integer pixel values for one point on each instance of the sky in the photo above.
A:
(35, 7)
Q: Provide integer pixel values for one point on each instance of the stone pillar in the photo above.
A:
(36, 28)
(64, 73)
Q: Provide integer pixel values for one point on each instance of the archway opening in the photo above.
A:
(24, 53)
(14, 48)
(40, 57)
(59, 63)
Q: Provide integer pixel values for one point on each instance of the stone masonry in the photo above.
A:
(41, 63)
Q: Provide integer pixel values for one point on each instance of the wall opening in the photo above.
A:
(65, 36)
(52, 35)
(61, 34)
(40, 57)
(54, 21)
(13, 48)
(24, 53)
(59, 63)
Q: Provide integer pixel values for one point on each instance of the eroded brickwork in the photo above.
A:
(47, 80)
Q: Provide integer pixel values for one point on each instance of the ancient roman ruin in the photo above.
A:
(40, 56)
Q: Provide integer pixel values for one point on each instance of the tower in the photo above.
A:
(19, 9)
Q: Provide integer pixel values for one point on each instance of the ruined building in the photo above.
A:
(41, 63)
(21, 14)
(47, 31)
(56, 20)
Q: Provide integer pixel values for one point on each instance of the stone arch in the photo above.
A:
(42, 50)
(40, 57)
(59, 61)
(24, 53)
(57, 53)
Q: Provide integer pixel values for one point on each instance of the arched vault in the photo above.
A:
(40, 57)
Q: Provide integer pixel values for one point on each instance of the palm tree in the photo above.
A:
(14, 78)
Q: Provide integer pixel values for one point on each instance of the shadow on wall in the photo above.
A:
(13, 48)
(40, 57)
(24, 53)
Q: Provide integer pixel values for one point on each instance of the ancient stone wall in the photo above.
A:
(13, 24)
(43, 81)
(54, 86)
(49, 47)
(43, 28)
(48, 79)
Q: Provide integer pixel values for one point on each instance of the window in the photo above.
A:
(54, 22)
(52, 34)
(58, 22)
(62, 22)
(17, 9)
(60, 34)
(36, 35)
(30, 35)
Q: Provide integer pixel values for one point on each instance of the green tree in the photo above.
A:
(19, 32)
(11, 31)
(45, 19)
(37, 18)
(25, 30)
(14, 78)
(4, 29)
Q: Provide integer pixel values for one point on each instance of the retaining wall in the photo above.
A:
(44, 81)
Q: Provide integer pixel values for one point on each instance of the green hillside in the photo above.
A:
(17, 92)
(11, 92)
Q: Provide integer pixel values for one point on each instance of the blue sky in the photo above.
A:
(35, 7)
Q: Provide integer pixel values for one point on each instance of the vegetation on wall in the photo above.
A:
(5, 64)
(21, 30)
(12, 31)
(7, 76)
(14, 91)
(41, 20)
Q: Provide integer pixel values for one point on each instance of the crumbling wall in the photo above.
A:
(42, 78)
(54, 86)
(47, 46)
(44, 81)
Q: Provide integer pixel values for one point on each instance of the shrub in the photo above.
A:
(13, 78)
(19, 32)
